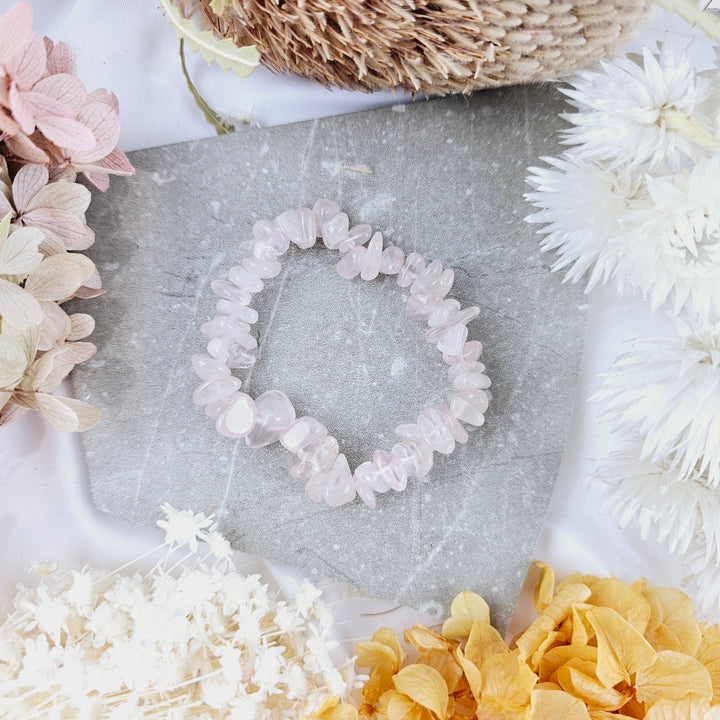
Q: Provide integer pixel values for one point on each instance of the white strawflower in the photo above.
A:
(684, 511)
(667, 389)
(673, 240)
(581, 205)
(184, 641)
(629, 113)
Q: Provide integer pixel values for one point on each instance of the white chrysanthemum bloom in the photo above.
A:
(581, 205)
(667, 389)
(684, 511)
(629, 113)
(673, 240)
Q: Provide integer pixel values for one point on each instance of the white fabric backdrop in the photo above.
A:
(126, 46)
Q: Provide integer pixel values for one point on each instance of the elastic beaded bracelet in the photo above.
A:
(271, 417)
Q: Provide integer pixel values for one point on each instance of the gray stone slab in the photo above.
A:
(447, 180)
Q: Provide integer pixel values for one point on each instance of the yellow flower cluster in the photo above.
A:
(599, 649)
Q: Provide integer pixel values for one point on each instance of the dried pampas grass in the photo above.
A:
(440, 47)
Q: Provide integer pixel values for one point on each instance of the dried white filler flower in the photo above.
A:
(196, 641)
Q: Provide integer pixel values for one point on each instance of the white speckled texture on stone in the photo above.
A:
(447, 180)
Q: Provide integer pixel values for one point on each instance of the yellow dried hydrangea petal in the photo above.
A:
(691, 707)
(672, 676)
(708, 653)
(507, 676)
(673, 625)
(551, 617)
(472, 675)
(447, 665)
(545, 588)
(332, 709)
(484, 641)
(394, 705)
(554, 704)
(626, 600)
(559, 656)
(589, 689)
(465, 609)
(622, 650)
(383, 651)
(425, 686)
(425, 640)
(492, 708)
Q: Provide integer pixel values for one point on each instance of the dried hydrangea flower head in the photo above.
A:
(187, 639)
(46, 115)
(50, 129)
(599, 648)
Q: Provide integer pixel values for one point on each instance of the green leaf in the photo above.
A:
(241, 60)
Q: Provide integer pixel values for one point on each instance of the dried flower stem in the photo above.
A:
(689, 11)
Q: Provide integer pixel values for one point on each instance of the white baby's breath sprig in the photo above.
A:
(667, 390)
(195, 640)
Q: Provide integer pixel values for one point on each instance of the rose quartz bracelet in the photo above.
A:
(270, 417)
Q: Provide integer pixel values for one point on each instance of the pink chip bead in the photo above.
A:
(435, 431)
(224, 326)
(269, 239)
(239, 418)
(453, 339)
(215, 389)
(218, 407)
(241, 312)
(414, 264)
(314, 458)
(357, 235)
(244, 279)
(367, 482)
(308, 227)
(302, 432)
(392, 260)
(207, 368)
(371, 262)
(241, 359)
(457, 430)
(349, 265)
(416, 457)
(421, 304)
(471, 351)
(390, 469)
(469, 406)
(469, 376)
(275, 410)
(443, 313)
(274, 414)
(335, 484)
(264, 269)
(224, 289)
(324, 210)
(334, 231)
(427, 277)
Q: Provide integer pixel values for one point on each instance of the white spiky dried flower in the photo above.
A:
(188, 639)
(581, 205)
(667, 390)
(684, 511)
(638, 111)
